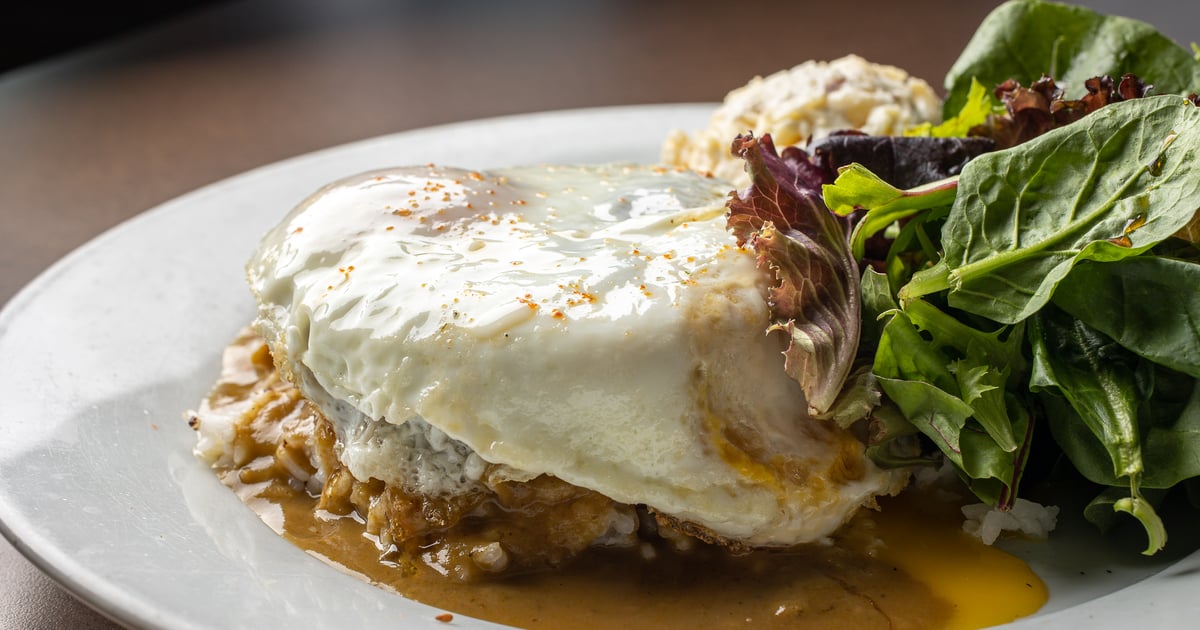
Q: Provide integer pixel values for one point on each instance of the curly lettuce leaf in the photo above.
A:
(952, 383)
(1032, 111)
(985, 365)
(815, 301)
(1025, 39)
(1109, 187)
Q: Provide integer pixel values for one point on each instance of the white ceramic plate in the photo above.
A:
(101, 356)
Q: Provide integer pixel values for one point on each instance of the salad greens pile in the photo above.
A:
(1053, 281)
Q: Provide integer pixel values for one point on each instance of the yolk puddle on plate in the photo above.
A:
(984, 585)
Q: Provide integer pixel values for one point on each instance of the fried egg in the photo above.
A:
(598, 324)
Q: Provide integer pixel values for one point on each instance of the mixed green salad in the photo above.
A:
(1023, 277)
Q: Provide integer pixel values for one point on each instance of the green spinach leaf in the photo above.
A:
(1171, 429)
(1100, 381)
(1027, 38)
(1149, 305)
(1106, 188)
(1169, 425)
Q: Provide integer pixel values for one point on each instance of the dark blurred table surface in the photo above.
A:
(92, 138)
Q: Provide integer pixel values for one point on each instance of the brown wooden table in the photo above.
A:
(93, 138)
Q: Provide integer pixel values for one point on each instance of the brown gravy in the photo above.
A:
(815, 587)
(906, 566)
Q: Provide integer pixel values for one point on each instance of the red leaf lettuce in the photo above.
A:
(815, 299)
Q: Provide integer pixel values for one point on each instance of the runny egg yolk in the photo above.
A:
(984, 585)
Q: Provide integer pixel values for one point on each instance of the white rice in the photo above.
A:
(1025, 517)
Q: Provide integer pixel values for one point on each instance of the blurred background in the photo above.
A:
(109, 109)
(36, 31)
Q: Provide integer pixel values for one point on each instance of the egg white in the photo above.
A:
(598, 324)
